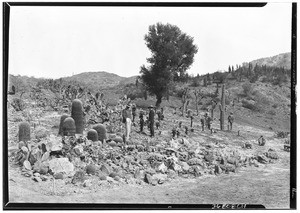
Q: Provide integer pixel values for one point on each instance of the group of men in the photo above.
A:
(206, 121)
(129, 114)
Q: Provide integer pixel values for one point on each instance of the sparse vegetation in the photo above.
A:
(144, 160)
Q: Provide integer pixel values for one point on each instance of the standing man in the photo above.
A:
(142, 121)
(230, 120)
(202, 123)
(151, 120)
(127, 118)
(133, 112)
(208, 120)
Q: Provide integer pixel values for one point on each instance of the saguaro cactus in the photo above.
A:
(222, 108)
(69, 127)
(213, 106)
(78, 116)
(24, 132)
(62, 119)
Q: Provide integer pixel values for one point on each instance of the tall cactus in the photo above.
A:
(24, 132)
(222, 108)
(78, 115)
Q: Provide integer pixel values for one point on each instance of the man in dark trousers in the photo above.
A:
(151, 120)
(230, 121)
(142, 121)
(133, 108)
(208, 120)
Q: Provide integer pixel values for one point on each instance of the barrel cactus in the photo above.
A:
(62, 118)
(112, 143)
(92, 135)
(78, 115)
(118, 139)
(24, 132)
(101, 130)
(69, 127)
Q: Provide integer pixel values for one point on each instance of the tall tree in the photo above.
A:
(172, 54)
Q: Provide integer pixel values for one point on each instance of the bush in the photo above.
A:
(271, 112)
(247, 88)
(195, 83)
(261, 98)
(40, 132)
(250, 105)
(282, 134)
(227, 101)
(18, 104)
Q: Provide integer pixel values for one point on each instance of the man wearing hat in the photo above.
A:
(151, 120)
(127, 118)
(230, 120)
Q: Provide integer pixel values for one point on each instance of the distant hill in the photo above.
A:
(129, 80)
(281, 60)
(101, 78)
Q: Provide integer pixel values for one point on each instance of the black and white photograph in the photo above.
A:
(149, 105)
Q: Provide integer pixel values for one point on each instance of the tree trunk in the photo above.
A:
(158, 101)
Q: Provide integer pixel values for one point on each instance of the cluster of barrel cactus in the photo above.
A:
(101, 130)
(74, 124)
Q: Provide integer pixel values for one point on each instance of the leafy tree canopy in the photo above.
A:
(172, 54)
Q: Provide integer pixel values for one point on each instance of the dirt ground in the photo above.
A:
(267, 184)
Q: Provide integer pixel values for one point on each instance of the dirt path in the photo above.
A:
(267, 185)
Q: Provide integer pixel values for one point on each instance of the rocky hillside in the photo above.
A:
(102, 79)
(281, 60)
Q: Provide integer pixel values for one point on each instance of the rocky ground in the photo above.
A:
(194, 168)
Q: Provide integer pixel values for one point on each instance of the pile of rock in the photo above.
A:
(143, 162)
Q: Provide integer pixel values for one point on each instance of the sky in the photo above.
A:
(54, 42)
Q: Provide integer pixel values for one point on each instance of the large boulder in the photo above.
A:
(54, 143)
(61, 165)
(271, 154)
(262, 159)
(159, 178)
(185, 167)
(106, 169)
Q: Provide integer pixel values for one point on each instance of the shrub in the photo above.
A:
(227, 101)
(247, 88)
(195, 83)
(40, 132)
(271, 112)
(18, 104)
(250, 105)
(24, 132)
(282, 134)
